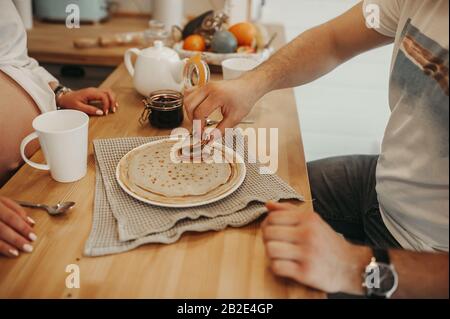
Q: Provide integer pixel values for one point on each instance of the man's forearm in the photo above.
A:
(305, 59)
(421, 275)
(316, 52)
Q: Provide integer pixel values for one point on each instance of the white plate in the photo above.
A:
(228, 151)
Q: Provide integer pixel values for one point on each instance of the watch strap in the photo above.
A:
(58, 89)
(381, 256)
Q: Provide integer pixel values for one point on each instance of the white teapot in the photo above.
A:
(160, 68)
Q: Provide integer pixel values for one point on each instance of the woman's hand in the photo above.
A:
(235, 99)
(303, 247)
(79, 100)
(16, 232)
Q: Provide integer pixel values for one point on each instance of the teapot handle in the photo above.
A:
(195, 65)
(127, 60)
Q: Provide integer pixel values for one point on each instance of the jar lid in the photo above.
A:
(155, 24)
(164, 100)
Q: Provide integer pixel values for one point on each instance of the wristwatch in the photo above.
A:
(59, 91)
(380, 276)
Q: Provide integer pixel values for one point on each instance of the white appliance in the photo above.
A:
(169, 12)
(56, 10)
(240, 10)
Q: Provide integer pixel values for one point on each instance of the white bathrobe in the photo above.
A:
(15, 62)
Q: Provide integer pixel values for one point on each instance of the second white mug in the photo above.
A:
(63, 136)
(235, 67)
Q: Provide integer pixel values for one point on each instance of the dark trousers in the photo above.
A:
(343, 190)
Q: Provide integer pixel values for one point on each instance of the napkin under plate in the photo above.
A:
(121, 223)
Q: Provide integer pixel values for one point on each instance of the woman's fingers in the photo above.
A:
(112, 100)
(88, 101)
(15, 222)
(14, 239)
(9, 203)
(15, 229)
(88, 109)
(8, 250)
(96, 94)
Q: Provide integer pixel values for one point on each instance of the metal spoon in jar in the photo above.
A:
(53, 210)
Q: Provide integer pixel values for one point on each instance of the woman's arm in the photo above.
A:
(13, 53)
(80, 100)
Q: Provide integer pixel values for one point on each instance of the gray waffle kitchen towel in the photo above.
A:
(121, 223)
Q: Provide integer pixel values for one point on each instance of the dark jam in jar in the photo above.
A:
(164, 109)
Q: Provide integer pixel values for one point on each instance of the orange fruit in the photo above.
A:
(244, 32)
(194, 42)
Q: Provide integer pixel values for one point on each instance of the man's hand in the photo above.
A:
(234, 98)
(302, 247)
(16, 232)
(79, 100)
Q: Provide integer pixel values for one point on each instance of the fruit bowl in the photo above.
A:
(216, 59)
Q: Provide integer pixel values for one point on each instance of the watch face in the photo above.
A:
(381, 279)
(387, 279)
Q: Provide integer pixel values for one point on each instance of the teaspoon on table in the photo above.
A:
(210, 122)
(53, 210)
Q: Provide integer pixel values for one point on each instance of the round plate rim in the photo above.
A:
(159, 204)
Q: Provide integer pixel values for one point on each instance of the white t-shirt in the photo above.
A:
(413, 168)
(15, 62)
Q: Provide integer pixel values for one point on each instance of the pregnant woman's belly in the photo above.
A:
(17, 111)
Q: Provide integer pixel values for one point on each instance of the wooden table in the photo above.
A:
(53, 42)
(225, 264)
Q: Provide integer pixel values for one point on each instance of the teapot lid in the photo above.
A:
(159, 51)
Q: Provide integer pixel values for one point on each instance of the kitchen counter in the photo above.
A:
(53, 42)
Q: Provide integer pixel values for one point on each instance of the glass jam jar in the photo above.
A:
(163, 109)
(157, 32)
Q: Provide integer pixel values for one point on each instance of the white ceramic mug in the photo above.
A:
(234, 68)
(63, 136)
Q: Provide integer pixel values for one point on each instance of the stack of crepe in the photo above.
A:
(151, 173)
